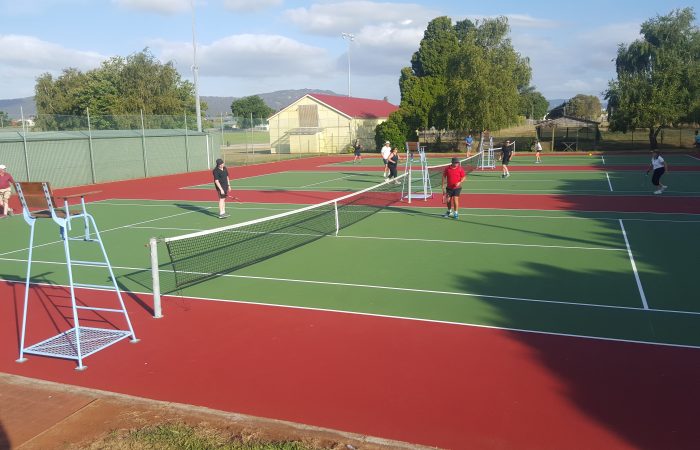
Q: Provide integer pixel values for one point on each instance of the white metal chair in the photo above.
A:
(79, 341)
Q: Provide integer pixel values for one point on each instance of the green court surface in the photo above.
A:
(558, 272)
(488, 181)
(306, 181)
(521, 158)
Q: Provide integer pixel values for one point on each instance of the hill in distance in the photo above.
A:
(216, 105)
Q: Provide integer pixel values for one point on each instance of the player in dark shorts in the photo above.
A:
(221, 184)
(393, 164)
(452, 178)
(507, 151)
(357, 149)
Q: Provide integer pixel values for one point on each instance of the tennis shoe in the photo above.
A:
(223, 216)
(658, 191)
(508, 175)
(456, 216)
(447, 214)
(663, 188)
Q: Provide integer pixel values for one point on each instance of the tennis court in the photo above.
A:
(589, 277)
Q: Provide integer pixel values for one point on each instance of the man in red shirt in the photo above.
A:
(6, 182)
(452, 178)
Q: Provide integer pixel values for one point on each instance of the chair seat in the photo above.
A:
(46, 214)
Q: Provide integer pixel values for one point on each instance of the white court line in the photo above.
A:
(602, 158)
(380, 238)
(365, 286)
(609, 183)
(103, 231)
(327, 181)
(634, 267)
(694, 157)
(413, 319)
(386, 288)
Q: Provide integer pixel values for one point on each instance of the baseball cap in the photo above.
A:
(455, 160)
(387, 142)
(219, 161)
(2, 166)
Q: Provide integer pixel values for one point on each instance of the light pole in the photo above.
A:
(350, 38)
(195, 72)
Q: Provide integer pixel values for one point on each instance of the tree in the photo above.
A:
(393, 129)
(533, 104)
(4, 119)
(656, 83)
(463, 76)
(484, 79)
(584, 107)
(250, 106)
(119, 86)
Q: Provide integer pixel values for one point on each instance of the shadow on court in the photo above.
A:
(200, 209)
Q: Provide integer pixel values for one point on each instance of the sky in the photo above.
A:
(246, 47)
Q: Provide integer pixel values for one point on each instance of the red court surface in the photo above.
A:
(436, 384)
(442, 385)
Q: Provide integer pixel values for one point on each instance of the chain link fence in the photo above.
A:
(86, 149)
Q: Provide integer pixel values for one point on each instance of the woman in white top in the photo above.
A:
(538, 152)
(658, 165)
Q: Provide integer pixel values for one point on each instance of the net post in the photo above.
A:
(337, 218)
(155, 275)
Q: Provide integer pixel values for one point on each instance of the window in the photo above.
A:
(308, 116)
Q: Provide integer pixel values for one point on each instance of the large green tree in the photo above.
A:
(485, 78)
(120, 86)
(4, 119)
(463, 76)
(584, 107)
(248, 108)
(657, 76)
(533, 104)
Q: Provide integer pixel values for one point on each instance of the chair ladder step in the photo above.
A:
(90, 263)
(94, 286)
(93, 308)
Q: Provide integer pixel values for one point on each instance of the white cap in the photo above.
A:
(387, 142)
(2, 167)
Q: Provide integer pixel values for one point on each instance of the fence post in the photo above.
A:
(92, 157)
(24, 140)
(143, 146)
(187, 145)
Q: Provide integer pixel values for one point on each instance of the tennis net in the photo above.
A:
(199, 256)
(468, 164)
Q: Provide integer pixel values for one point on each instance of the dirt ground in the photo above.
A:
(42, 415)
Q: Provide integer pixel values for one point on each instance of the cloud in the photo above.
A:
(250, 6)
(574, 62)
(249, 56)
(29, 52)
(350, 16)
(168, 7)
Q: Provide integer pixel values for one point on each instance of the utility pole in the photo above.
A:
(350, 38)
(195, 71)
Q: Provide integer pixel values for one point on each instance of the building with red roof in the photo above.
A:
(322, 123)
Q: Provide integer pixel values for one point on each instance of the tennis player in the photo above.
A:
(469, 141)
(507, 151)
(221, 184)
(452, 178)
(357, 149)
(392, 163)
(386, 151)
(658, 165)
(6, 182)
(538, 152)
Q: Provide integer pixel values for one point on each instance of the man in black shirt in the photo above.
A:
(221, 184)
(507, 149)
